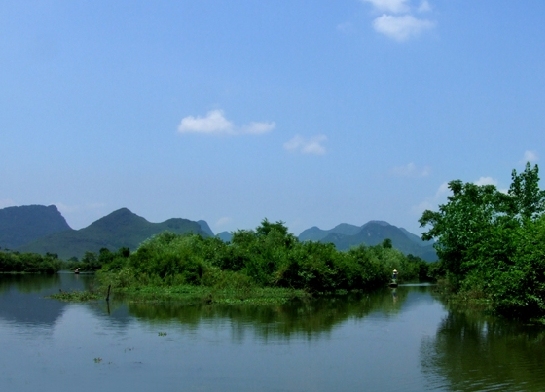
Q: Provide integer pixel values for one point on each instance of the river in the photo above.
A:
(392, 340)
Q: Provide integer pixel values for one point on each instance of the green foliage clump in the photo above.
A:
(92, 261)
(492, 245)
(268, 257)
(29, 262)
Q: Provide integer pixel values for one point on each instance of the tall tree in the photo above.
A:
(527, 200)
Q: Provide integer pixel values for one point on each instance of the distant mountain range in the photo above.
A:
(345, 236)
(42, 229)
(121, 228)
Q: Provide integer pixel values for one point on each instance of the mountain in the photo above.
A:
(415, 237)
(205, 228)
(345, 236)
(316, 234)
(121, 228)
(42, 229)
(20, 225)
(225, 236)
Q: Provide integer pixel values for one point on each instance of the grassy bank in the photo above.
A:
(190, 295)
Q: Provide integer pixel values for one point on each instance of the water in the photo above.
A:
(402, 340)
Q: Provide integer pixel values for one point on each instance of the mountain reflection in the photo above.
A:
(22, 296)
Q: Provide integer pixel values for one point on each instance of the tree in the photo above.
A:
(527, 200)
(465, 220)
(491, 243)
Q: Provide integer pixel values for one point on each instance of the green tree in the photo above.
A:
(490, 243)
(527, 201)
(465, 220)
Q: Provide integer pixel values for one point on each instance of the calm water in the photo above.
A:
(390, 341)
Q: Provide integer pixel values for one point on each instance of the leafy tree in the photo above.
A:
(527, 201)
(387, 243)
(491, 244)
(465, 220)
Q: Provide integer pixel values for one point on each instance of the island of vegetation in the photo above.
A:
(265, 265)
(491, 248)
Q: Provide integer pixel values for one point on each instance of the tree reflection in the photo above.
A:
(310, 319)
(28, 283)
(472, 352)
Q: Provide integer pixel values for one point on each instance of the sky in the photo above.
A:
(313, 113)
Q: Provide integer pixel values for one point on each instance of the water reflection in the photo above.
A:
(400, 339)
(22, 296)
(311, 319)
(475, 353)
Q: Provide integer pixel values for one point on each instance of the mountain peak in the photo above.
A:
(345, 236)
(205, 228)
(377, 222)
(116, 220)
(22, 224)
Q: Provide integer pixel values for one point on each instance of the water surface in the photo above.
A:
(402, 340)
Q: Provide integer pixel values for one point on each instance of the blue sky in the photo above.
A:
(310, 112)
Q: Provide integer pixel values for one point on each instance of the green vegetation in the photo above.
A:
(18, 262)
(492, 245)
(77, 296)
(268, 265)
(265, 266)
(29, 262)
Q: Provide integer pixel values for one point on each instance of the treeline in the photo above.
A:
(492, 244)
(266, 257)
(29, 262)
(14, 261)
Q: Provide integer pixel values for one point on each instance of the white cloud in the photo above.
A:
(529, 156)
(215, 123)
(410, 170)
(398, 20)
(312, 145)
(393, 6)
(424, 7)
(223, 221)
(486, 181)
(401, 28)
(257, 128)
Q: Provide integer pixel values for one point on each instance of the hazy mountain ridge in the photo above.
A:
(22, 224)
(21, 229)
(121, 228)
(372, 233)
(225, 236)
